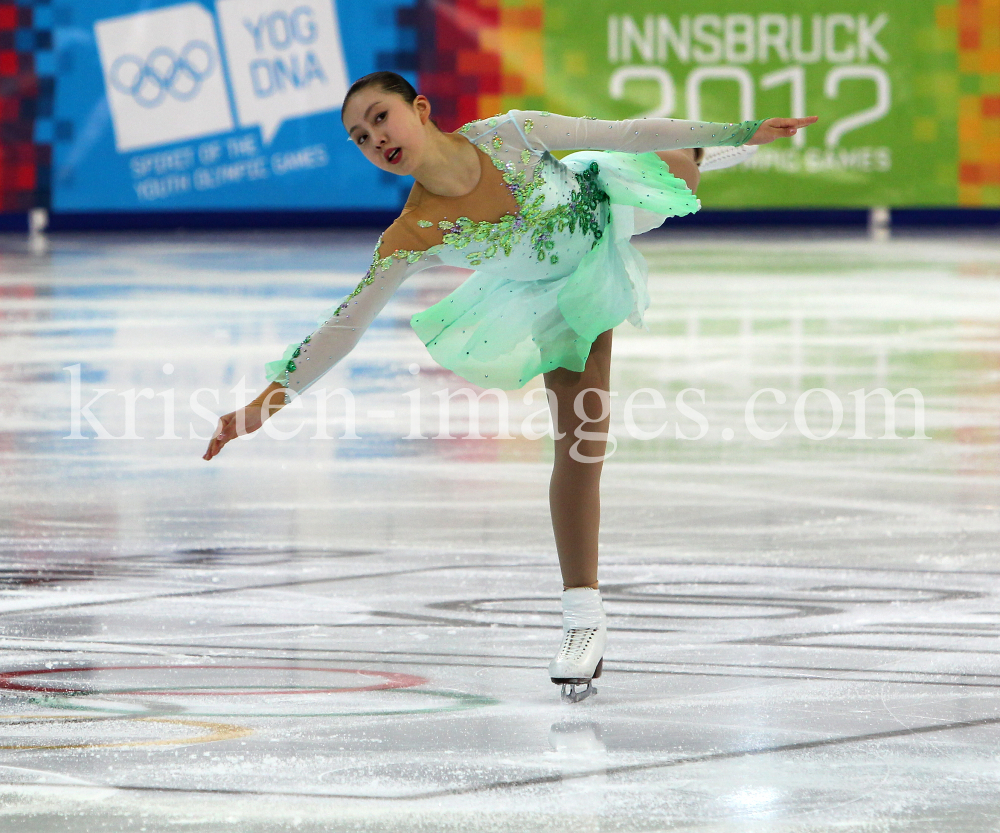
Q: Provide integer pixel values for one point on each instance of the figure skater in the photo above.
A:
(555, 273)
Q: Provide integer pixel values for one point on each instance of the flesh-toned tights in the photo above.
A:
(575, 486)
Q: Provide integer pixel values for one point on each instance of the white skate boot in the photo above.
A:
(585, 634)
(714, 158)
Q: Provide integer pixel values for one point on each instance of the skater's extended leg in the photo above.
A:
(574, 490)
(682, 165)
(582, 417)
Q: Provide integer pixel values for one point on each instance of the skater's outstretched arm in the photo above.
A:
(342, 325)
(773, 129)
(340, 328)
(544, 131)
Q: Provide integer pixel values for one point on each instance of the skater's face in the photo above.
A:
(390, 132)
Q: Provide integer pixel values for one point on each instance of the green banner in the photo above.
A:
(883, 76)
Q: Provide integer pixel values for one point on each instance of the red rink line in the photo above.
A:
(392, 680)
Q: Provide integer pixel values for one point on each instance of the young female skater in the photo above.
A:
(556, 273)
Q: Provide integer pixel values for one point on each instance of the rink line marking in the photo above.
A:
(797, 568)
(508, 626)
(217, 732)
(462, 701)
(426, 658)
(215, 591)
(746, 606)
(659, 562)
(418, 617)
(833, 675)
(671, 667)
(561, 777)
(486, 567)
(393, 680)
(791, 641)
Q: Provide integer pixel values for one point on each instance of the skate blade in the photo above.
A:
(570, 694)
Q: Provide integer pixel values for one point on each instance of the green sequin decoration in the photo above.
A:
(382, 263)
(424, 223)
(529, 125)
(542, 223)
(582, 210)
(497, 142)
(290, 366)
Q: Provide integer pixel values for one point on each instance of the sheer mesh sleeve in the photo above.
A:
(546, 131)
(341, 326)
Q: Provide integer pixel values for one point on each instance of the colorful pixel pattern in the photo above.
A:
(26, 86)
(975, 27)
(477, 58)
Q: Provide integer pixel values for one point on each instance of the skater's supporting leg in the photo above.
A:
(682, 165)
(574, 490)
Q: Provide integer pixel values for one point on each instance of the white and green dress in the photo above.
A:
(548, 240)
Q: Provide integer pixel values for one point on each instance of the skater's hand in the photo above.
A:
(779, 129)
(246, 420)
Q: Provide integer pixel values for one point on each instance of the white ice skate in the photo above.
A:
(585, 634)
(715, 158)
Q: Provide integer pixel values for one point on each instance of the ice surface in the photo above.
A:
(352, 634)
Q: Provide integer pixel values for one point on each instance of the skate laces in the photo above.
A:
(583, 618)
(575, 643)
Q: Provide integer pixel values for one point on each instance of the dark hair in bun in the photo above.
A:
(390, 82)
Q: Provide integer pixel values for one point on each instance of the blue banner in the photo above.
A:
(229, 105)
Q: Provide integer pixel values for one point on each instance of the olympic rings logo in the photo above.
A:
(163, 73)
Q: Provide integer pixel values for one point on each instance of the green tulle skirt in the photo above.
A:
(501, 333)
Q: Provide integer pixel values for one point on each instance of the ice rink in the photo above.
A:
(348, 628)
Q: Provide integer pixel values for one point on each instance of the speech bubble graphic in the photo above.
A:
(285, 59)
(163, 76)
